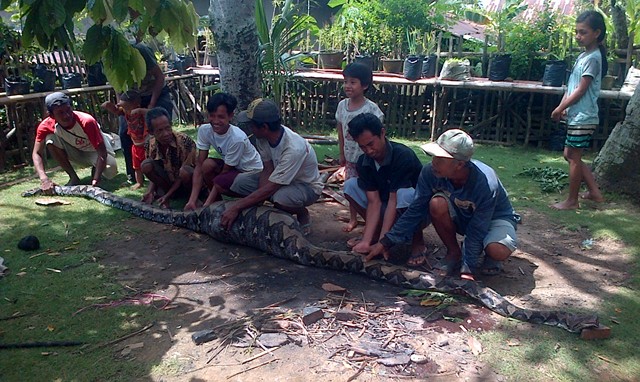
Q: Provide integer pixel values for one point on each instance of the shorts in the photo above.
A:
(579, 136)
(137, 155)
(404, 196)
(85, 158)
(293, 195)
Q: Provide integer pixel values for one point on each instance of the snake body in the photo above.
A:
(278, 233)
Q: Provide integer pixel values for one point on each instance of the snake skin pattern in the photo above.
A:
(278, 233)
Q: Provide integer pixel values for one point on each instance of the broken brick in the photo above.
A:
(598, 333)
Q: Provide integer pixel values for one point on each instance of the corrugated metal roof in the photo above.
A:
(534, 6)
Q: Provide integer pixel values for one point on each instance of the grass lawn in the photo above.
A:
(46, 287)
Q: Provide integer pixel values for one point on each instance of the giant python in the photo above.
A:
(278, 234)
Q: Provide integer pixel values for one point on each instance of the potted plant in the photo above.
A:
(392, 49)
(555, 71)
(500, 21)
(44, 78)
(330, 54)
(430, 59)
(412, 68)
(71, 80)
(14, 85)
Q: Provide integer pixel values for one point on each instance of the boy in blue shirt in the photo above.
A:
(459, 195)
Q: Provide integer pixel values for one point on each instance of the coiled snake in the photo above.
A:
(278, 234)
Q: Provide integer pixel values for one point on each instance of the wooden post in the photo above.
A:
(438, 50)
(485, 57)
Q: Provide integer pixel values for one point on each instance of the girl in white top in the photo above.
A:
(357, 80)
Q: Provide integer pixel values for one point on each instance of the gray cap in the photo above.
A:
(261, 111)
(56, 99)
(453, 143)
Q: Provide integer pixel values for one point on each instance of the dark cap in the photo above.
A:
(260, 111)
(56, 99)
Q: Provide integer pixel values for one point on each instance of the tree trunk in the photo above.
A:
(233, 23)
(616, 166)
(619, 19)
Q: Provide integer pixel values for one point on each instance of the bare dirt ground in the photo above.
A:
(244, 293)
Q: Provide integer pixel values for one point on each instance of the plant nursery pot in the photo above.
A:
(366, 61)
(330, 60)
(499, 67)
(71, 80)
(390, 65)
(412, 68)
(95, 75)
(554, 73)
(429, 66)
(16, 85)
(46, 79)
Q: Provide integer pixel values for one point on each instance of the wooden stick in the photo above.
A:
(251, 368)
(357, 373)
(125, 337)
(259, 355)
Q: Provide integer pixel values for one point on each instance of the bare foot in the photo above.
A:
(136, 186)
(566, 205)
(350, 226)
(588, 196)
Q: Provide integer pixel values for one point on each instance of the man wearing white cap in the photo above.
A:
(464, 196)
(290, 177)
(71, 137)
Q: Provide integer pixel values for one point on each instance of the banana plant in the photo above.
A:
(276, 43)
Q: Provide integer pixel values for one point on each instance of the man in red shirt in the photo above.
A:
(71, 137)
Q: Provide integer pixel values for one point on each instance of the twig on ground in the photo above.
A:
(607, 359)
(124, 337)
(357, 373)
(252, 367)
(259, 355)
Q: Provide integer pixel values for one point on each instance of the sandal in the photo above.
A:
(419, 260)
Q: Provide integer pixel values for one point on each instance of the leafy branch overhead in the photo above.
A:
(49, 23)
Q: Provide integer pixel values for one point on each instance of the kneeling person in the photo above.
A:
(388, 172)
(72, 137)
(459, 195)
(290, 176)
(170, 159)
(239, 156)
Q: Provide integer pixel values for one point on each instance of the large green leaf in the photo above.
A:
(120, 10)
(97, 11)
(75, 6)
(97, 40)
(53, 13)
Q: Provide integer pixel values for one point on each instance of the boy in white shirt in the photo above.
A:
(238, 156)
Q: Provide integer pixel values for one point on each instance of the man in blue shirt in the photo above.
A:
(459, 195)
